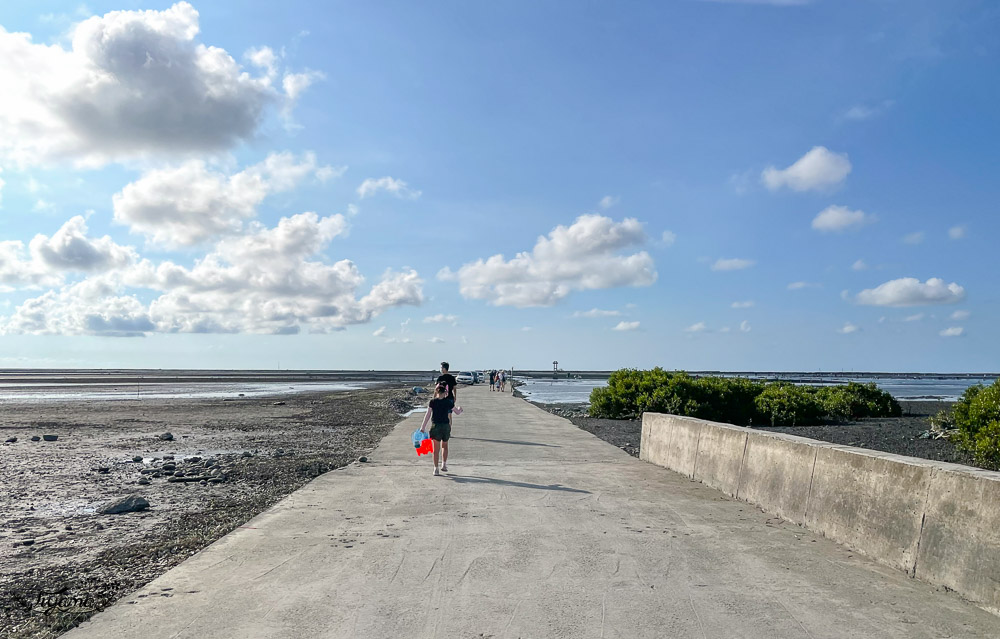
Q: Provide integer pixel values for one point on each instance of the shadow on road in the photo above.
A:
(515, 484)
(507, 441)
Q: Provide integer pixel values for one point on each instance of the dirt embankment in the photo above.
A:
(61, 561)
(899, 435)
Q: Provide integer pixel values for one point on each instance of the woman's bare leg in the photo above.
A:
(444, 456)
(436, 444)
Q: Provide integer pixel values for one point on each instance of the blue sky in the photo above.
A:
(732, 185)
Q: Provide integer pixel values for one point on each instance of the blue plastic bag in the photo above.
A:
(418, 437)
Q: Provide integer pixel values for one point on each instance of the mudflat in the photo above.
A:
(222, 463)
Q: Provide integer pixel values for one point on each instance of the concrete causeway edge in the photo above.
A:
(936, 521)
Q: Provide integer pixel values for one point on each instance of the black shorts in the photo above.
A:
(441, 432)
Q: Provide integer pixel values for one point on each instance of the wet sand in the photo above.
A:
(61, 561)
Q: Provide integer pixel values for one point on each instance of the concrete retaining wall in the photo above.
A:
(939, 522)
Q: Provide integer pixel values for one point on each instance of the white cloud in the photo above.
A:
(798, 286)
(668, 238)
(399, 340)
(732, 264)
(859, 265)
(191, 203)
(848, 328)
(70, 249)
(134, 84)
(1, 188)
(526, 329)
(909, 291)
(379, 332)
(816, 170)
(596, 312)
(399, 188)
(840, 218)
(744, 304)
(582, 256)
(626, 326)
(41, 205)
(262, 282)
(700, 327)
(441, 318)
(609, 200)
(866, 112)
(957, 232)
(961, 315)
(436, 340)
(745, 326)
(953, 331)
(916, 317)
(913, 238)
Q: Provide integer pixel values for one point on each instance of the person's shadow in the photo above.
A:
(506, 441)
(514, 484)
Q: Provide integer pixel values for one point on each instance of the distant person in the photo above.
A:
(503, 380)
(493, 379)
(449, 381)
(439, 414)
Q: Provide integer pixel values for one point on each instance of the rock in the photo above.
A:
(418, 389)
(246, 454)
(179, 473)
(104, 470)
(204, 482)
(277, 403)
(363, 459)
(144, 481)
(137, 459)
(169, 466)
(50, 438)
(36, 438)
(28, 542)
(193, 460)
(167, 437)
(130, 504)
(186, 479)
(168, 458)
(12, 440)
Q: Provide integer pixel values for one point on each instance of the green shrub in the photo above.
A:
(977, 418)
(857, 401)
(784, 404)
(735, 400)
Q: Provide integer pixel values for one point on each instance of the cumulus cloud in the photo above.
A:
(608, 201)
(916, 317)
(861, 112)
(399, 340)
(953, 331)
(745, 326)
(582, 256)
(626, 326)
(596, 312)
(909, 291)
(133, 84)
(441, 318)
(732, 264)
(192, 203)
(436, 340)
(1, 187)
(268, 280)
(700, 327)
(70, 249)
(668, 238)
(840, 218)
(379, 332)
(744, 304)
(957, 232)
(848, 328)
(961, 315)
(859, 265)
(818, 169)
(399, 188)
(913, 238)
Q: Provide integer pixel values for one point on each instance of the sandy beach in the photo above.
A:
(61, 561)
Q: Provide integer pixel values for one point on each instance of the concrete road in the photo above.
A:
(539, 530)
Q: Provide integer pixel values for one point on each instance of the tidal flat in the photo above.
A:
(205, 466)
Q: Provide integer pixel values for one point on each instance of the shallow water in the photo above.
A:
(10, 393)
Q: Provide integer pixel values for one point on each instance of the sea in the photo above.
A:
(32, 385)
